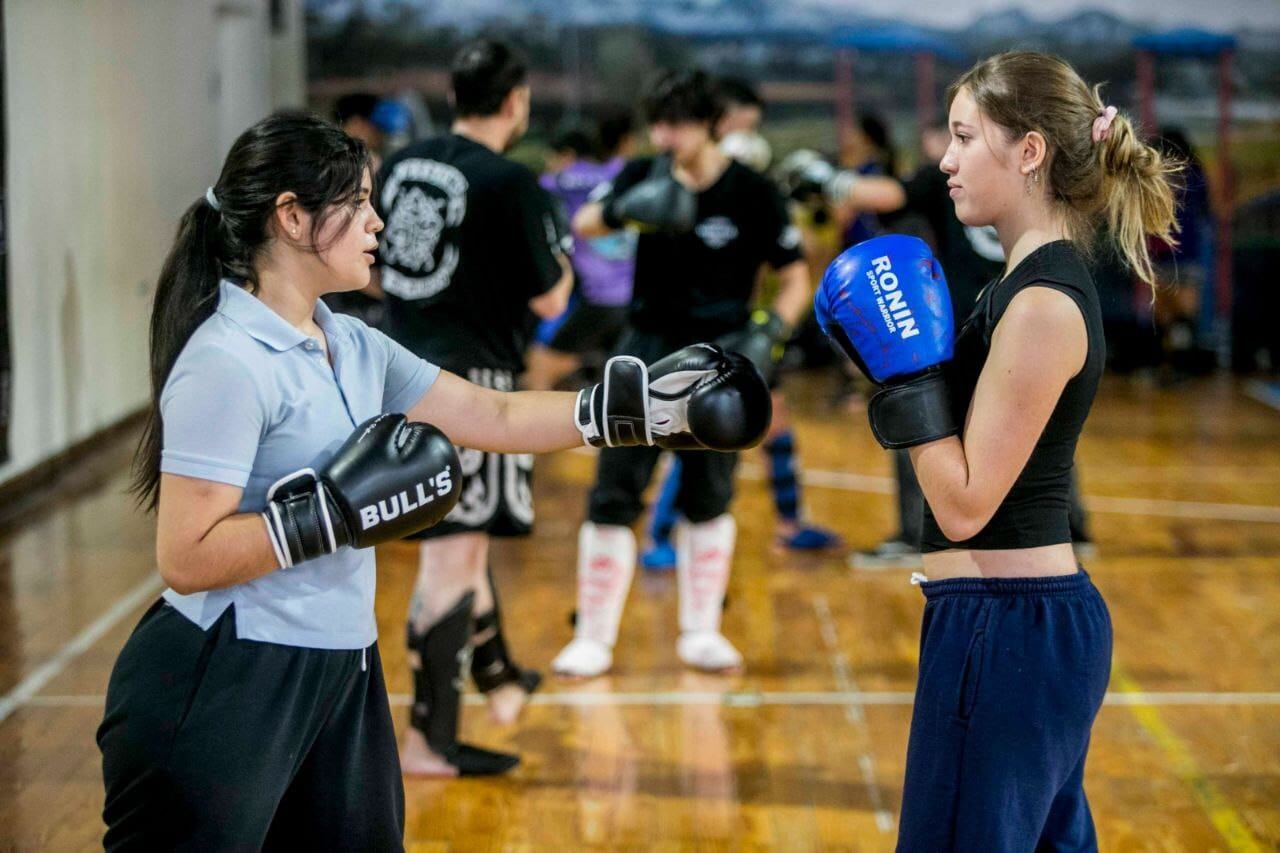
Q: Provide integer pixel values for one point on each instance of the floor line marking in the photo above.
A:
(49, 670)
(853, 709)
(847, 481)
(758, 699)
(1224, 817)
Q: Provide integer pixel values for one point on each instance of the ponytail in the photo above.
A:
(1139, 184)
(223, 234)
(186, 296)
(1098, 168)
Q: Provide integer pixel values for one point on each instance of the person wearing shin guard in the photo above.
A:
(697, 398)
(1015, 652)
(435, 657)
(707, 226)
(704, 556)
(495, 674)
(473, 250)
(606, 563)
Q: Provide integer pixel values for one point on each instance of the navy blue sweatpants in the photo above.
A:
(1012, 673)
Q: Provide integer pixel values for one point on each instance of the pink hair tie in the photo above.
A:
(1102, 124)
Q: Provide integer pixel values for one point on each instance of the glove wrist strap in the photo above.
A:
(615, 413)
(301, 520)
(912, 413)
(585, 417)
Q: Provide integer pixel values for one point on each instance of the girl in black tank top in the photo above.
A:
(1016, 645)
(1035, 511)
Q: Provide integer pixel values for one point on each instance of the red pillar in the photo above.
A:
(844, 97)
(1227, 195)
(1147, 92)
(924, 89)
(1146, 74)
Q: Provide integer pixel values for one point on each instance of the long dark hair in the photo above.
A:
(286, 152)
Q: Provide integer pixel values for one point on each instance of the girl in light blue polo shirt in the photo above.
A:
(248, 708)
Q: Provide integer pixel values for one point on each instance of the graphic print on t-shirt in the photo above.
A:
(427, 201)
(717, 231)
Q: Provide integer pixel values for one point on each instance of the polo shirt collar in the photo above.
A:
(328, 324)
(252, 315)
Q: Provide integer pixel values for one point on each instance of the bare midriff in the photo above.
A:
(1042, 562)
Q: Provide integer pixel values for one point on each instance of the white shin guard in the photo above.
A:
(704, 556)
(606, 562)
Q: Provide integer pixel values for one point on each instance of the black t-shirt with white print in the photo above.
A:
(469, 240)
(697, 286)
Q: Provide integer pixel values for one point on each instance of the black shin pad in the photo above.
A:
(491, 663)
(436, 696)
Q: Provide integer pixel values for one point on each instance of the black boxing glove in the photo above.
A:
(762, 341)
(388, 480)
(658, 203)
(805, 177)
(699, 397)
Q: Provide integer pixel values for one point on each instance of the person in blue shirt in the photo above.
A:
(248, 709)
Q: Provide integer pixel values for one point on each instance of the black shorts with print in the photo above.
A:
(497, 488)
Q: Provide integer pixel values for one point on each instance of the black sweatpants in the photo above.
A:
(210, 742)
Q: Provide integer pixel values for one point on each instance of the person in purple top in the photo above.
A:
(603, 266)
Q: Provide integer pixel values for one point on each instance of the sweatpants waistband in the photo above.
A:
(1059, 585)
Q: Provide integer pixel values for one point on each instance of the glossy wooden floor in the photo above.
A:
(804, 751)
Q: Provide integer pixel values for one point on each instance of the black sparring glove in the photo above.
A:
(658, 203)
(762, 340)
(699, 397)
(389, 479)
(804, 176)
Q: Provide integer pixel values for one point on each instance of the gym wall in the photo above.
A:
(119, 113)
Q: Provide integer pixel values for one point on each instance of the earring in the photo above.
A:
(1033, 180)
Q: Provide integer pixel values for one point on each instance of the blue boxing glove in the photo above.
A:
(885, 303)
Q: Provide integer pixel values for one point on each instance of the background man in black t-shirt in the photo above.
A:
(707, 225)
(738, 134)
(470, 257)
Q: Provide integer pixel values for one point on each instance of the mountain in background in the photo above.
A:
(754, 38)
(746, 18)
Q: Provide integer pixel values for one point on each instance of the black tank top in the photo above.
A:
(1034, 513)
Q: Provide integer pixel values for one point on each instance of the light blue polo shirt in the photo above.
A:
(251, 399)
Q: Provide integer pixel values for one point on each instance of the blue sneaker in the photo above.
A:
(660, 558)
(810, 538)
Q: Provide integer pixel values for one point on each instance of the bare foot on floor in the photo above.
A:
(418, 759)
(506, 703)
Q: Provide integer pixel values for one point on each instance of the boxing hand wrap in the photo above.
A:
(387, 480)
(699, 397)
(913, 412)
